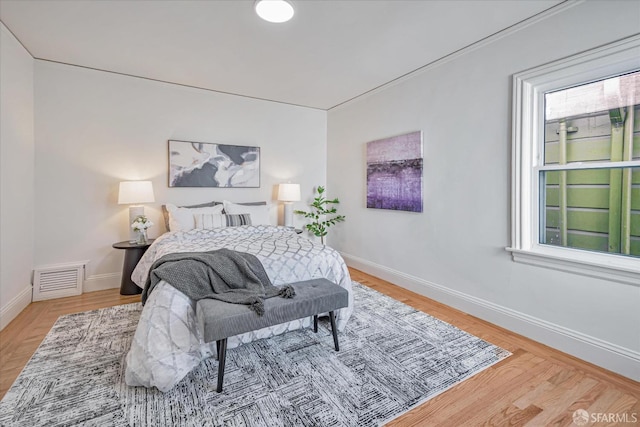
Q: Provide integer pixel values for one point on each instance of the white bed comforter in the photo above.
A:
(167, 343)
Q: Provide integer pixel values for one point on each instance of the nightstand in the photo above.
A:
(133, 253)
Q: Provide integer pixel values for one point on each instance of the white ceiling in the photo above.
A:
(330, 52)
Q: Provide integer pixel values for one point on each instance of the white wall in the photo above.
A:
(94, 129)
(454, 250)
(16, 176)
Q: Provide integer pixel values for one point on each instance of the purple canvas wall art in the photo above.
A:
(394, 173)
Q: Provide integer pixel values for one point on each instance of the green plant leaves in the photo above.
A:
(320, 208)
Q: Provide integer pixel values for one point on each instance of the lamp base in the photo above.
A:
(134, 212)
(288, 214)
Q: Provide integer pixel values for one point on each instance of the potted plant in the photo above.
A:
(320, 215)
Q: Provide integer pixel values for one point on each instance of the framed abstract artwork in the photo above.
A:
(394, 173)
(202, 164)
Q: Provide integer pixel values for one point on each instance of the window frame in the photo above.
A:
(528, 114)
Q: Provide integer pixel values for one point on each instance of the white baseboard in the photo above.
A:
(610, 356)
(15, 306)
(100, 282)
(97, 282)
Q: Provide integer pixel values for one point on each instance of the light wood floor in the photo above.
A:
(536, 386)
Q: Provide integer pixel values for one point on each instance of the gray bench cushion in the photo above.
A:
(218, 320)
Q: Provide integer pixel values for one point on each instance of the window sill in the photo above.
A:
(601, 266)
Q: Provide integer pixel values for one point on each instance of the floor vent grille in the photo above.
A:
(58, 281)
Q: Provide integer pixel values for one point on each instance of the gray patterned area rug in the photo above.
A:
(392, 358)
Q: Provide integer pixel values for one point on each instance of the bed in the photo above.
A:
(167, 343)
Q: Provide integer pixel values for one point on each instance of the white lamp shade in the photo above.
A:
(289, 192)
(135, 192)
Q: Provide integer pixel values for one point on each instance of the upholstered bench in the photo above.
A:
(219, 320)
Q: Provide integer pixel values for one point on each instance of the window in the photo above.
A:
(576, 164)
(589, 190)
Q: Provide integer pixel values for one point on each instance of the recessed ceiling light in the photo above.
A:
(274, 10)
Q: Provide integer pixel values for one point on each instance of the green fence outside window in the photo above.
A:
(593, 209)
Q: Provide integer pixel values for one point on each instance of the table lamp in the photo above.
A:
(288, 193)
(134, 193)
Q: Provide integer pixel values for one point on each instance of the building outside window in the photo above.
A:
(595, 129)
(576, 163)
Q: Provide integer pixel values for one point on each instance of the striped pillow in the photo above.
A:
(234, 220)
(211, 221)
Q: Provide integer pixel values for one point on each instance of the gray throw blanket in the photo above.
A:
(223, 274)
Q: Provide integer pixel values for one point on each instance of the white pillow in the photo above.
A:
(181, 219)
(213, 221)
(259, 214)
(210, 221)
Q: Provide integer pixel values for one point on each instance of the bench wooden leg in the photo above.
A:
(315, 323)
(222, 356)
(334, 331)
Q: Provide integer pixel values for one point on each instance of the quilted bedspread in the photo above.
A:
(167, 343)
